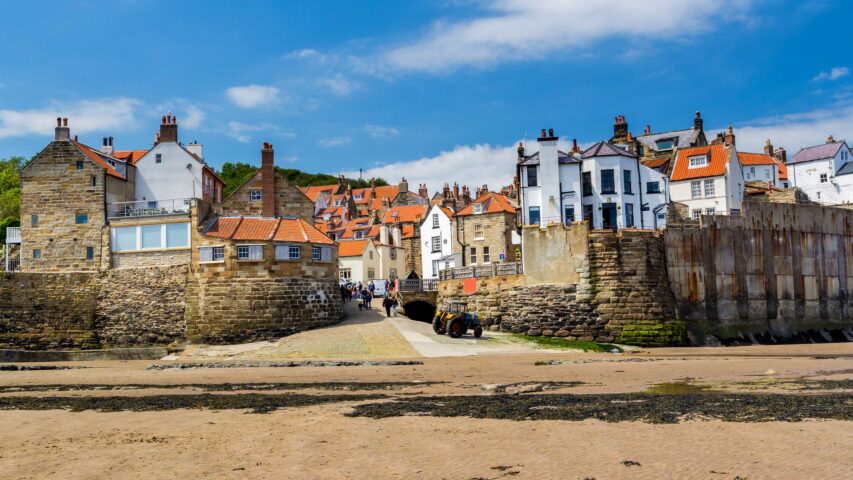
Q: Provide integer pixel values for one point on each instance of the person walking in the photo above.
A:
(365, 298)
(394, 307)
(387, 286)
(387, 305)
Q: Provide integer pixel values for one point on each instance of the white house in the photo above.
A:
(170, 171)
(605, 185)
(759, 167)
(824, 172)
(368, 259)
(708, 180)
(437, 241)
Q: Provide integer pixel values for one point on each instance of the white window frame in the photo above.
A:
(697, 161)
(436, 244)
(158, 158)
(217, 254)
(138, 241)
(346, 273)
(481, 234)
(824, 178)
(434, 220)
(709, 188)
(696, 213)
(473, 255)
(478, 208)
(250, 249)
(696, 189)
(288, 252)
(711, 211)
(256, 195)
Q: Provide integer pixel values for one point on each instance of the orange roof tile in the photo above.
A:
(408, 231)
(130, 156)
(96, 157)
(718, 161)
(492, 203)
(352, 248)
(405, 214)
(313, 192)
(266, 229)
(657, 162)
(783, 170)
(755, 159)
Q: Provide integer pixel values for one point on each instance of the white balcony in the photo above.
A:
(13, 234)
(152, 208)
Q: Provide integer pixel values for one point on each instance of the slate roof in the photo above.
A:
(562, 157)
(605, 149)
(681, 138)
(718, 160)
(819, 152)
(846, 169)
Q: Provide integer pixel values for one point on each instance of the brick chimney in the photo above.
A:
(648, 130)
(404, 185)
(698, 123)
(781, 155)
(729, 137)
(768, 148)
(575, 148)
(168, 129)
(456, 190)
(620, 128)
(268, 180)
(63, 133)
(423, 191)
(830, 139)
(342, 185)
(520, 152)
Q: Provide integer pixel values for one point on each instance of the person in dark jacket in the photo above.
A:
(387, 304)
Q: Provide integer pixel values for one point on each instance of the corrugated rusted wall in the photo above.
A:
(779, 269)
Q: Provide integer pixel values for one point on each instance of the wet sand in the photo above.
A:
(319, 438)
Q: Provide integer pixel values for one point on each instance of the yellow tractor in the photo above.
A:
(454, 319)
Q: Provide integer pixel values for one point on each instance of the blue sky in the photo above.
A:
(437, 91)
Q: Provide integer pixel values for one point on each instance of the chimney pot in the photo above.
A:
(65, 122)
(648, 129)
(542, 134)
(105, 141)
(830, 139)
(58, 122)
(550, 132)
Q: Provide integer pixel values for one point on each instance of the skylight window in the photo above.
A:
(698, 161)
(665, 144)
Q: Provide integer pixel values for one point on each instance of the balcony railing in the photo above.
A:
(153, 208)
(419, 285)
(13, 234)
(478, 271)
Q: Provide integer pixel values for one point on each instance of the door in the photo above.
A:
(608, 215)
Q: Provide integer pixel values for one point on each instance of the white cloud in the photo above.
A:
(304, 54)
(379, 131)
(533, 29)
(189, 115)
(193, 118)
(795, 131)
(251, 96)
(84, 116)
(338, 85)
(335, 141)
(834, 74)
(242, 132)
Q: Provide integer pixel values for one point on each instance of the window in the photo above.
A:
(478, 231)
(346, 273)
(629, 215)
(626, 182)
(81, 218)
(486, 257)
(250, 252)
(752, 170)
(255, 195)
(90, 253)
(325, 254)
(371, 273)
(587, 184)
(436, 244)
(79, 164)
(473, 255)
(823, 178)
(150, 236)
(36, 253)
(698, 161)
(393, 253)
(533, 215)
(94, 180)
(696, 213)
(661, 217)
(152, 204)
(286, 252)
(532, 179)
(569, 214)
(34, 220)
(652, 187)
(158, 158)
(587, 213)
(435, 268)
(434, 220)
(695, 189)
(211, 254)
(665, 144)
(124, 239)
(710, 211)
(316, 254)
(392, 273)
(478, 208)
(608, 182)
(709, 188)
(358, 196)
(358, 234)
(370, 255)
(177, 235)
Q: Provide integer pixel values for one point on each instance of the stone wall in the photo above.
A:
(555, 253)
(778, 270)
(496, 234)
(229, 310)
(484, 295)
(412, 252)
(290, 201)
(151, 259)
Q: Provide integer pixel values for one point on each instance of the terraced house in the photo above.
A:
(485, 231)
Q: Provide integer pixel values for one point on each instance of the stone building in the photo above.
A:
(484, 231)
(408, 219)
(64, 191)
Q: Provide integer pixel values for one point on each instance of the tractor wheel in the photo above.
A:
(456, 327)
(478, 332)
(436, 325)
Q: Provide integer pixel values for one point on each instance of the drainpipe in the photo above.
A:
(640, 182)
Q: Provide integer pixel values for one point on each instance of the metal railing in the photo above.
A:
(153, 208)
(478, 271)
(419, 285)
(13, 234)
(13, 265)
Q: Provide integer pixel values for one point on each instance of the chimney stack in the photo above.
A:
(698, 123)
(520, 152)
(648, 130)
(575, 148)
(107, 147)
(620, 128)
(830, 139)
(168, 129)
(423, 191)
(456, 190)
(404, 186)
(729, 137)
(268, 180)
(62, 131)
(768, 148)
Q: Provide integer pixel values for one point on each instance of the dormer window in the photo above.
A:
(338, 202)
(478, 208)
(665, 144)
(359, 234)
(358, 196)
(698, 161)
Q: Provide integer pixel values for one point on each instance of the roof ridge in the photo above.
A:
(275, 229)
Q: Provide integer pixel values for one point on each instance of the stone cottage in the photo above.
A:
(484, 231)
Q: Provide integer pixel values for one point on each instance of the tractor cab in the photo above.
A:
(454, 319)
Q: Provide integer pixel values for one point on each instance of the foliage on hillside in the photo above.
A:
(10, 193)
(235, 174)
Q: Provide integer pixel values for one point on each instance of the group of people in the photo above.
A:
(365, 293)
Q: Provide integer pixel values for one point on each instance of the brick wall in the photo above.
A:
(53, 189)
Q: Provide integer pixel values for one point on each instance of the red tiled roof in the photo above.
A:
(408, 231)
(657, 162)
(492, 203)
(97, 158)
(718, 161)
(313, 192)
(755, 159)
(266, 229)
(351, 248)
(405, 214)
(130, 156)
(783, 170)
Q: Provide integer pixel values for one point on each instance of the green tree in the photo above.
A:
(235, 174)
(10, 187)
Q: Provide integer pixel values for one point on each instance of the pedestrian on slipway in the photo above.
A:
(371, 287)
(387, 286)
(387, 304)
(365, 298)
(394, 307)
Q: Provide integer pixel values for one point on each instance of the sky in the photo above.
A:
(436, 91)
